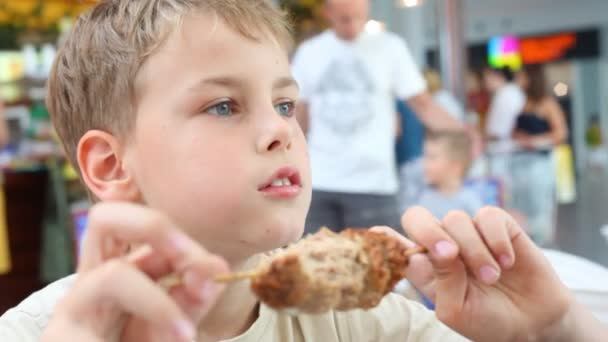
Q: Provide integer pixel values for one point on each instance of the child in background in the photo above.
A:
(446, 161)
(179, 115)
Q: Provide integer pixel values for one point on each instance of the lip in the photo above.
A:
(287, 191)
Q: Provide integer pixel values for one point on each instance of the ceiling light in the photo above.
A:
(409, 3)
(560, 89)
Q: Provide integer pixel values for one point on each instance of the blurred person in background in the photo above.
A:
(538, 129)
(506, 104)
(409, 149)
(349, 79)
(4, 133)
(597, 157)
(443, 97)
(447, 159)
(478, 99)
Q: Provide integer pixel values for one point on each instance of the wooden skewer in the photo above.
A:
(232, 277)
(416, 250)
(237, 276)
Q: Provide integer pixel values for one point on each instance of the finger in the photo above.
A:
(196, 307)
(119, 283)
(450, 282)
(139, 225)
(425, 229)
(530, 256)
(197, 278)
(394, 234)
(450, 291)
(151, 263)
(474, 251)
(419, 270)
(493, 225)
(133, 224)
(420, 273)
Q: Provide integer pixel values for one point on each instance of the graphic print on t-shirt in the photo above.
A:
(345, 96)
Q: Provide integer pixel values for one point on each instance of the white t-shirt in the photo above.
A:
(440, 204)
(351, 88)
(395, 319)
(507, 104)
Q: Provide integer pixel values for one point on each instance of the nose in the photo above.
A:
(276, 133)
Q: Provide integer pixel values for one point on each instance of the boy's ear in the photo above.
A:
(100, 158)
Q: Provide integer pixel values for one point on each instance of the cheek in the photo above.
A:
(191, 178)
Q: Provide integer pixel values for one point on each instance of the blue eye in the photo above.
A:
(285, 109)
(221, 109)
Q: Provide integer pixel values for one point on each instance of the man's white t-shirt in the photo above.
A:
(507, 104)
(350, 89)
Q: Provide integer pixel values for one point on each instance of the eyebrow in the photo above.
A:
(285, 82)
(233, 82)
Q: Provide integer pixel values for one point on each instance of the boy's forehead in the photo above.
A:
(205, 32)
(199, 33)
(203, 42)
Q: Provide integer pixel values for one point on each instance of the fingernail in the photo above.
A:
(489, 274)
(179, 241)
(505, 261)
(184, 330)
(195, 284)
(445, 249)
(209, 290)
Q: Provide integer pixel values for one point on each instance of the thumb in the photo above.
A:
(450, 289)
(450, 272)
(196, 308)
(420, 273)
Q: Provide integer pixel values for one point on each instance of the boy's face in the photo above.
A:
(216, 144)
(438, 166)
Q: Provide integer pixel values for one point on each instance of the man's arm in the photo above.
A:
(433, 117)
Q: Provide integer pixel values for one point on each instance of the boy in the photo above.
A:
(198, 93)
(446, 161)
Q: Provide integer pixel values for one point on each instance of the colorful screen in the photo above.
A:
(503, 52)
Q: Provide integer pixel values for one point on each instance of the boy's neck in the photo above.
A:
(234, 312)
(449, 186)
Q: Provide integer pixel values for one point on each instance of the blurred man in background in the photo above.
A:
(349, 79)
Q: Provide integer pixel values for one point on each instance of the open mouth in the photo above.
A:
(286, 177)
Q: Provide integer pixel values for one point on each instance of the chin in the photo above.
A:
(284, 232)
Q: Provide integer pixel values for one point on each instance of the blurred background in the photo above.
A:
(44, 207)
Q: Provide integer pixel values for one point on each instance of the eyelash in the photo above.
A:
(232, 106)
(292, 107)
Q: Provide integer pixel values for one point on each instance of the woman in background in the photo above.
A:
(539, 128)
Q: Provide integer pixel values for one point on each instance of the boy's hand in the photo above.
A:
(116, 296)
(490, 282)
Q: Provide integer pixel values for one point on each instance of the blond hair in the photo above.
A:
(457, 144)
(433, 80)
(91, 85)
